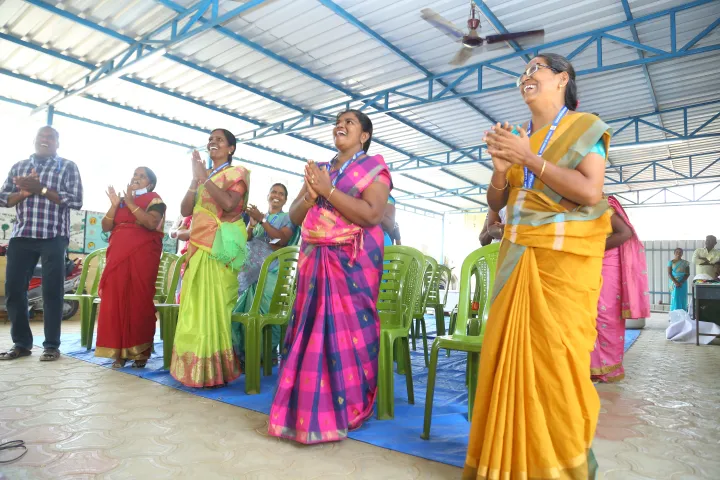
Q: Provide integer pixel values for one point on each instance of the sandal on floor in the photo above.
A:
(50, 355)
(15, 352)
(139, 364)
(119, 363)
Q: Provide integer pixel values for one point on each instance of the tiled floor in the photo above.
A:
(83, 421)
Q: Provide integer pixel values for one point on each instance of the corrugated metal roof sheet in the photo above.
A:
(317, 58)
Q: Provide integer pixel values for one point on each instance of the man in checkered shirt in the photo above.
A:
(43, 189)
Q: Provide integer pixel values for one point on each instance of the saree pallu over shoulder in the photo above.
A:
(207, 213)
(536, 408)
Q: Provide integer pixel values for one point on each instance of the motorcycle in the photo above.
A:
(73, 269)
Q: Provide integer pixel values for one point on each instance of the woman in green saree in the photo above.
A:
(266, 233)
(202, 353)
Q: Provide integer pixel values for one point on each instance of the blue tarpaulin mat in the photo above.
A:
(450, 427)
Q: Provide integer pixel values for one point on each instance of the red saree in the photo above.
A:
(126, 322)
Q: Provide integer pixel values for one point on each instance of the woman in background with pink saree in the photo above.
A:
(328, 377)
(623, 296)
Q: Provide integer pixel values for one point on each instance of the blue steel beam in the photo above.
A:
(140, 111)
(177, 8)
(135, 81)
(135, 132)
(420, 92)
(636, 38)
(181, 11)
(706, 193)
(175, 122)
(462, 156)
(637, 173)
(179, 29)
(336, 9)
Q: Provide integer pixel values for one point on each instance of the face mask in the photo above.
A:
(141, 191)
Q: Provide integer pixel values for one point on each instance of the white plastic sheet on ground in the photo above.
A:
(682, 328)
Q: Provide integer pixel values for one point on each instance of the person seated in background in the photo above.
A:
(126, 329)
(493, 228)
(267, 232)
(707, 260)
(182, 234)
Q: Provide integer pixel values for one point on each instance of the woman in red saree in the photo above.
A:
(126, 323)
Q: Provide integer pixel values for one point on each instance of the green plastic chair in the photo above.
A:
(466, 338)
(474, 302)
(418, 327)
(164, 271)
(168, 312)
(86, 296)
(436, 301)
(258, 325)
(399, 291)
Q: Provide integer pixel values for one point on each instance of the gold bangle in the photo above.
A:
(307, 201)
(133, 211)
(192, 190)
(543, 168)
(332, 190)
(507, 182)
(109, 218)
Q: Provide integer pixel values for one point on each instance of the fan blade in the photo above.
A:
(462, 56)
(445, 26)
(513, 36)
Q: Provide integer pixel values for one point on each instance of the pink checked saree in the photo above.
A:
(328, 377)
(624, 295)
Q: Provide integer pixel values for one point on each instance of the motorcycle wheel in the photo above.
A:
(70, 308)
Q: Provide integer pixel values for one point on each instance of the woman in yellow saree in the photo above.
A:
(536, 408)
(203, 354)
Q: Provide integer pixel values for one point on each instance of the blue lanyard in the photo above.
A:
(345, 165)
(218, 169)
(530, 176)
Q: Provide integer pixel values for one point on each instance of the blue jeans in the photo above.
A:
(22, 257)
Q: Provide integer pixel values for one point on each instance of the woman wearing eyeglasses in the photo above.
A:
(536, 407)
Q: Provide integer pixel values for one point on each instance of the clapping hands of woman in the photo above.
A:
(198, 168)
(317, 180)
(507, 149)
(113, 196)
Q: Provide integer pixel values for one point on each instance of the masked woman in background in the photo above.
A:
(126, 321)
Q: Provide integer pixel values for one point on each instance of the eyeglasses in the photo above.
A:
(532, 71)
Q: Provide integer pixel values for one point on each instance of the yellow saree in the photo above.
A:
(536, 407)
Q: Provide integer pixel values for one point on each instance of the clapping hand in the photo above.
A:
(129, 197)
(29, 185)
(113, 196)
(254, 213)
(318, 180)
(507, 149)
(198, 168)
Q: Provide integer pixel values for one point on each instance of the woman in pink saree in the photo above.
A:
(624, 295)
(328, 376)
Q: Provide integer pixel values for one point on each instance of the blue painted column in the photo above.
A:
(50, 115)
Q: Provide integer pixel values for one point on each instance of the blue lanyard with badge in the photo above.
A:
(218, 169)
(345, 165)
(530, 176)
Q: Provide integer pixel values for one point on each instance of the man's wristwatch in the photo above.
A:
(264, 219)
(43, 192)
